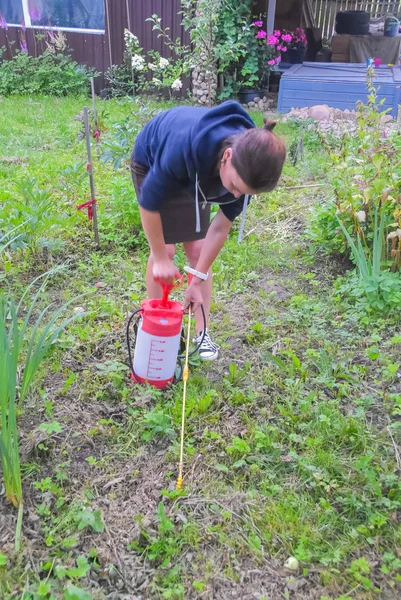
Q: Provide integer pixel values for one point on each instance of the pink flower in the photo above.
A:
(261, 34)
(278, 59)
(3, 22)
(283, 49)
(272, 40)
(279, 48)
(287, 38)
(271, 62)
(258, 23)
(277, 33)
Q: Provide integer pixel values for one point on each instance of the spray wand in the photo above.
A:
(184, 398)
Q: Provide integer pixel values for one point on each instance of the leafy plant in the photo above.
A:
(241, 50)
(380, 288)
(49, 73)
(32, 211)
(160, 548)
(157, 423)
(118, 148)
(24, 341)
(89, 518)
(365, 177)
(129, 77)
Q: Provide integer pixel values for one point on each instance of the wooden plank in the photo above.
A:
(343, 105)
(321, 97)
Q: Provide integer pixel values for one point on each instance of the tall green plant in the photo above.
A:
(22, 349)
(379, 288)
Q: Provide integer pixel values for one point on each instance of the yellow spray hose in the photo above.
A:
(184, 397)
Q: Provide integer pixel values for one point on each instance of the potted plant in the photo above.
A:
(256, 64)
(391, 26)
(290, 45)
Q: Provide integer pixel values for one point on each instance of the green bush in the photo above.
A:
(363, 218)
(50, 73)
(365, 176)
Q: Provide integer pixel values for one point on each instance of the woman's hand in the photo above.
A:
(193, 297)
(165, 272)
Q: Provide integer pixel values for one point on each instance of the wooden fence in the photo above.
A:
(324, 11)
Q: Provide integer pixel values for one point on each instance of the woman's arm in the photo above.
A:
(214, 241)
(164, 270)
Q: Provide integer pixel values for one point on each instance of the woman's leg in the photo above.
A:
(193, 250)
(153, 288)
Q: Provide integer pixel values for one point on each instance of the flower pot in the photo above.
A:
(246, 96)
(391, 27)
(295, 56)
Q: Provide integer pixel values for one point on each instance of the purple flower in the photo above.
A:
(272, 40)
(287, 37)
(261, 34)
(360, 182)
(278, 59)
(23, 26)
(284, 49)
(3, 22)
(271, 62)
(23, 46)
(258, 23)
(51, 33)
(277, 33)
(34, 13)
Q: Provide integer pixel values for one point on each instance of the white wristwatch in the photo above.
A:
(199, 274)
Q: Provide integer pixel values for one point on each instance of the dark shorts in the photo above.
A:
(177, 214)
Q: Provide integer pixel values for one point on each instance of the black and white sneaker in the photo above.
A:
(208, 350)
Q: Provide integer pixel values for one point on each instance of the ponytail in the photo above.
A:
(269, 125)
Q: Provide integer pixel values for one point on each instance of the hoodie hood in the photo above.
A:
(212, 129)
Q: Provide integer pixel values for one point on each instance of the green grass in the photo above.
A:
(290, 447)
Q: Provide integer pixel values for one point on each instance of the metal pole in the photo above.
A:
(97, 131)
(108, 31)
(90, 173)
(128, 15)
(94, 102)
(271, 13)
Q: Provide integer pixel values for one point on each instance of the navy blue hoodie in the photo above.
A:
(182, 145)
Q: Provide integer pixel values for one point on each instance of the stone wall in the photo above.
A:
(204, 86)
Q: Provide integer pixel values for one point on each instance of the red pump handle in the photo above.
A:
(167, 287)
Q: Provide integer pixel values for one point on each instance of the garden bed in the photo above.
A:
(292, 436)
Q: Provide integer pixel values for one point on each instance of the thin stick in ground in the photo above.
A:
(90, 173)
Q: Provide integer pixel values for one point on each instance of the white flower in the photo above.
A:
(156, 81)
(152, 66)
(176, 85)
(130, 37)
(137, 62)
(361, 216)
(163, 62)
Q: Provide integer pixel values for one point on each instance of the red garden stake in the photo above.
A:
(91, 204)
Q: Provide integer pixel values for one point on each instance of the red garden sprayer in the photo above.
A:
(157, 327)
